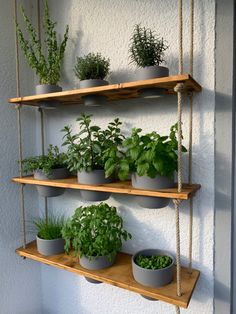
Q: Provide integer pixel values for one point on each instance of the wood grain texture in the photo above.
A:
(119, 275)
(112, 92)
(125, 187)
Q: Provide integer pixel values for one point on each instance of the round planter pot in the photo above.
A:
(151, 72)
(93, 100)
(95, 263)
(147, 183)
(150, 277)
(47, 89)
(49, 191)
(50, 247)
(95, 177)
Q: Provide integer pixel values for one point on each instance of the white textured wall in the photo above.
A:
(20, 280)
(105, 26)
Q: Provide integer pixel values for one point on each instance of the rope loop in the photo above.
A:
(180, 88)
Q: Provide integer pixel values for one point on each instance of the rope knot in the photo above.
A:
(179, 88)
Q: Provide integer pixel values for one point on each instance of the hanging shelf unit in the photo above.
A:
(119, 275)
(112, 92)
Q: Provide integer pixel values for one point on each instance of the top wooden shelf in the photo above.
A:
(112, 92)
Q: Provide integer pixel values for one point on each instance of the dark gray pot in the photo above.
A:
(50, 191)
(149, 277)
(50, 247)
(93, 100)
(147, 183)
(150, 73)
(47, 88)
(95, 177)
(95, 263)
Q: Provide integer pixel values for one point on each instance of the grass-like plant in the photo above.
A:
(150, 154)
(146, 47)
(48, 66)
(87, 149)
(46, 163)
(153, 262)
(50, 228)
(94, 231)
(92, 66)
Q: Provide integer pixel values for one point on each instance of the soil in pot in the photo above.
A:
(49, 191)
(153, 277)
(50, 247)
(95, 177)
(147, 183)
(93, 100)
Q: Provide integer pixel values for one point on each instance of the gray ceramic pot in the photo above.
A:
(95, 263)
(147, 183)
(50, 247)
(93, 100)
(151, 72)
(50, 191)
(47, 88)
(95, 177)
(150, 277)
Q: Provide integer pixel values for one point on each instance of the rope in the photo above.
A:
(180, 37)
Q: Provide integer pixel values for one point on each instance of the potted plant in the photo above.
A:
(152, 159)
(153, 268)
(86, 153)
(95, 234)
(48, 66)
(47, 167)
(91, 70)
(49, 237)
(147, 52)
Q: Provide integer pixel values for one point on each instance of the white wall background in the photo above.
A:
(105, 26)
(20, 280)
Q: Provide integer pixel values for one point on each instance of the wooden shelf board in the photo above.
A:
(125, 187)
(120, 275)
(112, 92)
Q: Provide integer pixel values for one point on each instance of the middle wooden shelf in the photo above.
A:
(188, 191)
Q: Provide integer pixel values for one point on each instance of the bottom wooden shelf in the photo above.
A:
(120, 275)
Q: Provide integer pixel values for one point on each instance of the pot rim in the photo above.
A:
(37, 237)
(153, 270)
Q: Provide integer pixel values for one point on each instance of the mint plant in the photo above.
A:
(146, 48)
(50, 228)
(153, 262)
(53, 160)
(150, 154)
(88, 149)
(94, 231)
(47, 66)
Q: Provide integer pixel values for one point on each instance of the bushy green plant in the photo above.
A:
(86, 150)
(53, 160)
(92, 66)
(153, 262)
(47, 66)
(146, 48)
(50, 228)
(150, 154)
(95, 230)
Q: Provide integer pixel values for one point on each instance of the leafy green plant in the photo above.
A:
(53, 160)
(86, 150)
(153, 262)
(47, 66)
(150, 154)
(92, 66)
(146, 48)
(95, 230)
(50, 228)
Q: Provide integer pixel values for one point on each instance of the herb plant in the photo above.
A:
(95, 230)
(146, 48)
(153, 262)
(50, 228)
(53, 160)
(92, 66)
(150, 154)
(87, 150)
(47, 66)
